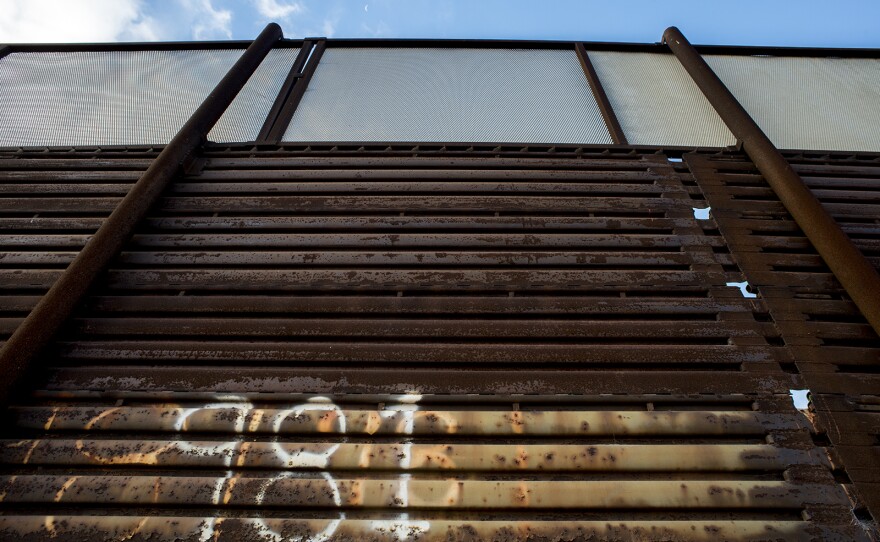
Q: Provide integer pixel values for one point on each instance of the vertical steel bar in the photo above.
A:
(846, 261)
(289, 84)
(614, 129)
(35, 332)
(296, 95)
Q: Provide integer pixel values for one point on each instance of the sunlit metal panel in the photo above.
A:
(656, 101)
(475, 95)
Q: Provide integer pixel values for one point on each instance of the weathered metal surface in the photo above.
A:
(71, 528)
(831, 345)
(408, 457)
(325, 417)
(122, 381)
(855, 273)
(555, 337)
(409, 493)
(32, 336)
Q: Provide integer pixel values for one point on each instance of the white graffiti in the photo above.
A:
(246, 418)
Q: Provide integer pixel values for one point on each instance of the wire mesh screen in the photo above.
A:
(245, 116)
(468, 95)
(126, 97)
(808, 103)
(656, 102)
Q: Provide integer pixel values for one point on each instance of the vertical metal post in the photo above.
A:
(293, 77)
(614, 129)
(296, 95)
(58, 304)
(858, 277)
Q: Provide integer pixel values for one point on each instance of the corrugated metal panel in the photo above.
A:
(127, 97)
(656, 101)
(808, 103)
(478, 95)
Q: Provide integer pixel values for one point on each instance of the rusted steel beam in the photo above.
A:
(600, 258)
(76, 528)
(65, 294)
(326, 419)
(454, 177)
(296, 95)
(405, 493)
(672, 308)
(849, 265)
(614, 128)
(546, 329)
(536, 203)
(419, 352)
(368, 458)
(124, 381)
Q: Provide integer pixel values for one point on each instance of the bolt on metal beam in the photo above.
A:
(53, 310)
(856, 274)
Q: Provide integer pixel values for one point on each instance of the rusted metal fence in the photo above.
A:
(435, 342)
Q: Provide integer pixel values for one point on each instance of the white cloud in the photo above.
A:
(328, 28)
(273, 9)
(381, 29)
(48, 21)
(207, 21)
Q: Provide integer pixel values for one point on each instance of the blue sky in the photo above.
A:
(841, 23)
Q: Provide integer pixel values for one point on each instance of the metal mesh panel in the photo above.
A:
(126, 97)
(656, 101)
(245, 116)
(477, 95)
(808, 103)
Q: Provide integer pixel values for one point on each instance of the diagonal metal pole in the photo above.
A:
(856, 274)
(614, 129)
(35, 332)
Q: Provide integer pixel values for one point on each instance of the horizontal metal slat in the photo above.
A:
(448, 457)
(126, 380)
(240, 258)
(389, 240)
(697, 304)
(474, 355)
(416, 279)
(445, 203)
(341, 204)
(325, 419)
(350, 493)
(230, 161)
(73, 528)
(545, 328)
(414, 176)
(545, 224)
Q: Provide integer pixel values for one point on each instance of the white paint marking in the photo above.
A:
(701, 214)
(743, 288)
